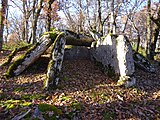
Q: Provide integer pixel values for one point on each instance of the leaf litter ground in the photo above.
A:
(84, 93)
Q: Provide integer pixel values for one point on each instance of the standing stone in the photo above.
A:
(105, 53)
(55, 64)
(125, 56)
(114, 53)
(125, 62)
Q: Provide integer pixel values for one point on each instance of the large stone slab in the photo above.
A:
(124, 56)
(77, 53)
(125, 62)
(30, 56)
(142, 63)
(55, 64)
(115, 55)
(105, 53)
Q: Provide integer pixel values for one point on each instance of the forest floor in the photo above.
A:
(84, 93)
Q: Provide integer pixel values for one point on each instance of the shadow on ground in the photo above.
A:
(84, 93)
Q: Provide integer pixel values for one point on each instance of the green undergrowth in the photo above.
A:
(100, 96)
(33, 96)
(140, 50)
(11, 104)
(76, 105)
(65, 98)
(65, 78)
(12, 46)
(19, 89)
(45, 108)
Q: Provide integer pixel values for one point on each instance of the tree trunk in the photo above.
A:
(88, 15)
(2, 18)
(81, 18)
(154, 41)
(100, 17)
(138, 35)
(138, 41)
(26, 18)
(26, 30)
(113, 22)
(148, 29)
(35, 19)
(55, 64)
(7, 24)
(48, 25)
(24, 21)
(155, 34)
(34, 28)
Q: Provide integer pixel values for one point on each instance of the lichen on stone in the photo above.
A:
(54, 66)
(126, 81)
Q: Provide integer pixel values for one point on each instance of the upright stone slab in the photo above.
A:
(55, 64)
(114, 53)
(125, 56)
(104, 52)
(125, 61)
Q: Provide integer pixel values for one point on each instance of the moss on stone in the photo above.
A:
(14, 52)
(10, 71)
(45, 108)
(52, 34)
(68, 47)
(14, 66)
(46, 83)
(60, 35)
(10, 57)
(49, 83)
